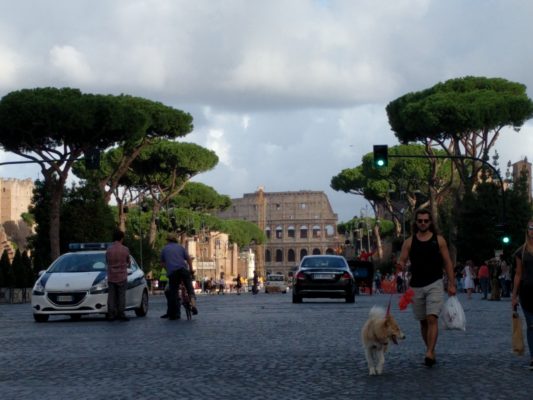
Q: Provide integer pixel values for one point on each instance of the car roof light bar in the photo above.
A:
(88, 246)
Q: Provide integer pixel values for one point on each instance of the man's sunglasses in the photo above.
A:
(422, 221)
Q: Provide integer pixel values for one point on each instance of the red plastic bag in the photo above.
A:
(406, 299)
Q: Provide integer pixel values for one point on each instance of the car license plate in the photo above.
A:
(64, 298)
(323, 276)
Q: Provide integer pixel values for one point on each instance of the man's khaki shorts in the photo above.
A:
(428, 300)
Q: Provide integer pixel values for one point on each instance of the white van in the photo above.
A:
(276, 283)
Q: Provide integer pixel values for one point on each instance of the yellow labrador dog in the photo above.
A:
(380, 329)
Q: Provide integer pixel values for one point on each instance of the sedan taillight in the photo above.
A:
(346, 275)
(300, 276)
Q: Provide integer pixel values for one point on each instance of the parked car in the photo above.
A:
(75, 284)
(326, 276)
(275, 283)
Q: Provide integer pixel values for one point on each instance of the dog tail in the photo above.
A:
(376, 312)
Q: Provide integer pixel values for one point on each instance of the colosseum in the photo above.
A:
(295, 224)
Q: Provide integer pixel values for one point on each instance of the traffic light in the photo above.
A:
(381, 155)
(503, 234)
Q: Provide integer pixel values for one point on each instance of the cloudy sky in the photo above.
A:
(287, 92)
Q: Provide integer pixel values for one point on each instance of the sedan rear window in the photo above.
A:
(323, 262)
(79, 262)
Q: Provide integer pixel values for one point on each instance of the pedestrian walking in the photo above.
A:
(459, 278)
(468, 273)
(429, 256)
(505, 278)
(178, 263)
(523, 285)
(255, 283)
(483, 275)
(495, 271)
(377, 282)
(221, 284)
(238, 284)
(118, 260)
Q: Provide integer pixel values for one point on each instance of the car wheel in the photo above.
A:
(143, 308)
(40, 317)
(350, 298)
(296, 298)
(75, 317)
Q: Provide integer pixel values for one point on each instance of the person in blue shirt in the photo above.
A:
(178, 263)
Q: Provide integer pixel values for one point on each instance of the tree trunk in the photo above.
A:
(55, 222)
(379, 245)
(121, 216)
(152, 235)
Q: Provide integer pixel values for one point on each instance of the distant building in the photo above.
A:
(15, 198)
(295, 224)
(523, 167)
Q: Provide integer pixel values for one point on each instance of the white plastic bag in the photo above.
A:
(453, 315)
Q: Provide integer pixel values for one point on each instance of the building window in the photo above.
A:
(330, 231)
(303, 206)
(278, 206)
(329, 250)
(316, 231)
(291, 256)
(279, 255)
(267, 232)
(316, 251)
(279, 232)
(303, 253)
(268, 256)
(291, 232)
(303, 231)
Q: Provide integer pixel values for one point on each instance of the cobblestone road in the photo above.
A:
(242, 347)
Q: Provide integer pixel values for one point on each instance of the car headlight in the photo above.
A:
(100, 287)
(38, 289)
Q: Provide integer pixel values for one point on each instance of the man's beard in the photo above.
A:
(424, 229)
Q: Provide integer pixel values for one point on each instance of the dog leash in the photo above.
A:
(388, 307)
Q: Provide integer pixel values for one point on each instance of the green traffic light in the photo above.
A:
(381, 154)
(506, 240)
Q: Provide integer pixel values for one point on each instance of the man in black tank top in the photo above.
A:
(429, 256)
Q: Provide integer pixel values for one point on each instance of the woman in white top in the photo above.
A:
(468, 274)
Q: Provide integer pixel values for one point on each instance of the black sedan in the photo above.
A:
(323, 276)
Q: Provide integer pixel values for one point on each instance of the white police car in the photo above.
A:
(75, 284)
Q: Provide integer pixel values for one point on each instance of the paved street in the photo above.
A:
(242, 347)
